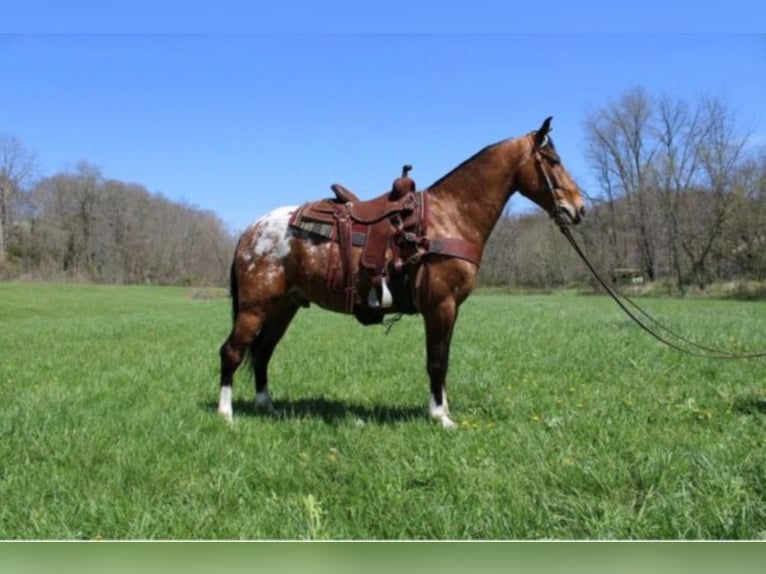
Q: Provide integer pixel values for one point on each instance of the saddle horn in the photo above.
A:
(402, 185)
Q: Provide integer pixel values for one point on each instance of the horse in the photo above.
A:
(278, 268)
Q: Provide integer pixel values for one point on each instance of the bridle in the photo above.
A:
(544, 157)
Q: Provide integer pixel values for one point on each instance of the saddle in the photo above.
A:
(387, 228)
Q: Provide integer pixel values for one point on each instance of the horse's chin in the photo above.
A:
(565, 215)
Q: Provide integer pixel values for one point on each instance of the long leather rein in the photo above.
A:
(623, 301)
(694, 349)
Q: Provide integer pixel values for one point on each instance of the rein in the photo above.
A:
(701, 350)
(696, 349)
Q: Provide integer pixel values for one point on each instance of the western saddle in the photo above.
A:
(391, 230)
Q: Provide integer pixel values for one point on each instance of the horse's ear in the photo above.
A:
(541, 135)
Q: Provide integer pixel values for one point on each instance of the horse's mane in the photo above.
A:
(467, 161)
(549, 145)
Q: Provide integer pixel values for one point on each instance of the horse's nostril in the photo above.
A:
(582, 211)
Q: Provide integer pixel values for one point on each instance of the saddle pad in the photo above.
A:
(302, 221)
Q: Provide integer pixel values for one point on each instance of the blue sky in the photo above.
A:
(241, 123)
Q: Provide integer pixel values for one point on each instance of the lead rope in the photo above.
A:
(709, 353)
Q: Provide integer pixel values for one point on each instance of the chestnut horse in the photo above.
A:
(277, 269)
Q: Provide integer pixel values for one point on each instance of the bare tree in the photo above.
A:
(673, 171)
(721, 152)
(527, 251)
(17, 167)
(72, 209)
(747, 231)
(680, 132)
(621, 149)
(80, 225)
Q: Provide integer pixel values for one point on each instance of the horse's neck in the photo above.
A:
(470, 199)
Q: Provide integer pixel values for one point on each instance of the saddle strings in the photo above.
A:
(390, 322)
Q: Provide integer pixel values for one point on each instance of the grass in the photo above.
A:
(573, 423)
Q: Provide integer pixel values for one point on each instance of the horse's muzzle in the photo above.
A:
(565, 214)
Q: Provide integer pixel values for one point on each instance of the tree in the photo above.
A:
(621, 151)
(80, 225)
(747, 231)
(679, 132)
(17, 167)
(671, 178)
(721, 152)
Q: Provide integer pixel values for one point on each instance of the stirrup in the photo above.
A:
(372, 298)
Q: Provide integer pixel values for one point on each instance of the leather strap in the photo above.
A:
(451, 247)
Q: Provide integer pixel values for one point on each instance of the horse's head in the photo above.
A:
(543, 178)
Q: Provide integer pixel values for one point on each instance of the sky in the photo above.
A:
(240, 120)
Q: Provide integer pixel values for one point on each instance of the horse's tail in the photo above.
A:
(233, 292)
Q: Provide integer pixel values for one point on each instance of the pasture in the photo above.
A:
(573, 424)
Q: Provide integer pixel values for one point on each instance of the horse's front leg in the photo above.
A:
(439, 322)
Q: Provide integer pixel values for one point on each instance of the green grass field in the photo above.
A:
(573, 423)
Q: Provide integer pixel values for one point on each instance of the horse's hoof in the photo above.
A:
(228, 416)
(263, 404)
(448, 423)
(443, 418)
(441, 413)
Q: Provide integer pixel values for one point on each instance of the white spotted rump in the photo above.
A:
(270, 235)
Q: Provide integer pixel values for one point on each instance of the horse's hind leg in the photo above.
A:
(246, 325)
(263, 347)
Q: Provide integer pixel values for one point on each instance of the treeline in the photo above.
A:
(679, 199)
(82, 226)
